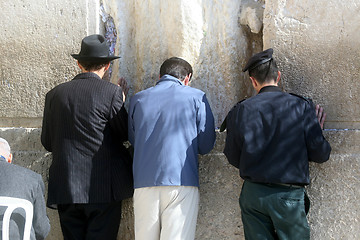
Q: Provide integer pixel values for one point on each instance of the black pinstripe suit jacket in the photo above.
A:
(84, 126)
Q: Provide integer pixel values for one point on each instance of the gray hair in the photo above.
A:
(4, 147)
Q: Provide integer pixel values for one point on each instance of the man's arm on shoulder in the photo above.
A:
(317, 146)
(206, 127)
(41, 222)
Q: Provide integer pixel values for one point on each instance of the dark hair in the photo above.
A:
(176, 67)
(265, 72)
(93, 66)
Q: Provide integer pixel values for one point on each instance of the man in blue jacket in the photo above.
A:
(169, 125)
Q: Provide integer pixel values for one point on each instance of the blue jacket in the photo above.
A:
(169, 124)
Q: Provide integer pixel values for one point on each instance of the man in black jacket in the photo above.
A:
(84, 126)
(271, 138)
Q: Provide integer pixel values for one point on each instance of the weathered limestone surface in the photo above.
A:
(317, 47)
(39, 37)
(334, 191)
(36, 42)
(207, 33)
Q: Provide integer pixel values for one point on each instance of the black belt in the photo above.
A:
(289, 185)
(285, 185)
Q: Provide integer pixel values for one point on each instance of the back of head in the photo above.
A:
(176, 67)
(92, 65)
(262, 66)
(265, 72)
(4, 148)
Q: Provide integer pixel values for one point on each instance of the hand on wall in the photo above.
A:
(124, 87)
(321, 115)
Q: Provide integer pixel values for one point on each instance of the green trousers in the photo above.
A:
(270, 211)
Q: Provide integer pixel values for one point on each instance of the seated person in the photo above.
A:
(19, 182)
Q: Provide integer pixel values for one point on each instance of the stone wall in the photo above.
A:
(316, 44)
(317, 47)
(37, 40)
(206, 33)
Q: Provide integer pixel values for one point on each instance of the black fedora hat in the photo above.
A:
(94, 48)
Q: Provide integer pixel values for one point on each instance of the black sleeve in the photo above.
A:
(119, 117)
(318, 147)
(233, 146)
(45, 132)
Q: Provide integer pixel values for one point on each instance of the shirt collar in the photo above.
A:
(87, 75)
(271, 88)
(169, 78)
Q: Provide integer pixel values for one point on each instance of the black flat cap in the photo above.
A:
(258, 59)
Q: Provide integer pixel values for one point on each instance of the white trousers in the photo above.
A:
(166, 212)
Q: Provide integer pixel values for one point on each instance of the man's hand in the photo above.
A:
(321, 115)
(124, 87)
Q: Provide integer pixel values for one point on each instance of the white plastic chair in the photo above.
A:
(11, 204)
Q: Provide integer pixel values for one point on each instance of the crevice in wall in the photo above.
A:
(251, 24)
(251, 15)
(110, 33)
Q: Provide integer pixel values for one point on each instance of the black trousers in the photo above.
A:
(90, 221)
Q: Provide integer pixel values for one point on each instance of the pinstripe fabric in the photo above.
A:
(84, 126)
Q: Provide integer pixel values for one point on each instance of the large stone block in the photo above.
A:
(206, 33)
(317, 47)
(220, 186)
(334, 189)
(37, 40)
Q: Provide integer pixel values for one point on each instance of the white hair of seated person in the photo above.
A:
(5, 150)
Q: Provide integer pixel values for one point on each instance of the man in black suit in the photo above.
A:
(19, 182)
(84, 126)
